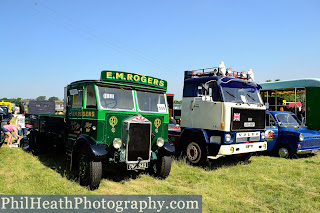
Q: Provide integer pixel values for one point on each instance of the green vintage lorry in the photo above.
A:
(120, 119)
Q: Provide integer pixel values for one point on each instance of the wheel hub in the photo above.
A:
(193, 152)
(283, 152)
(83, 165)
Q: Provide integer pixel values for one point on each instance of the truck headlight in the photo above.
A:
(160, 142)
(301, 137)
(263, 136)
(117, 143)
(227, 137)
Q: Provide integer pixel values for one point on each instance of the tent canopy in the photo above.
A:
(299, 83)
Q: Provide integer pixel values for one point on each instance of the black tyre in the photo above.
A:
(163, 167)
(33, 140)
(3, 137)
(90, 172)
(283, 152)
(196, 151)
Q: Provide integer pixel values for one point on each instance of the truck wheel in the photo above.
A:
(164, 167)
(284, 152)
(90, 172)
(3, 137)
(196, 152)
(33, 140)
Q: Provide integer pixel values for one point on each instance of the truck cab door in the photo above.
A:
(74, 110)
(272, 131)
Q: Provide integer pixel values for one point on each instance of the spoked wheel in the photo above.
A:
(196, 152)
(284, 152)
(90, 172)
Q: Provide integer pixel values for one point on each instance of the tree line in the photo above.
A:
(16, 101)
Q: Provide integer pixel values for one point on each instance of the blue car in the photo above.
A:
(287, 136)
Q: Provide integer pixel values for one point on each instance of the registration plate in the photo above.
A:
(132, 166)
(249, 124)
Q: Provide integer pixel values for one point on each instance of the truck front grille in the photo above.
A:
(138, 147)
(247, 119)
(312, 142)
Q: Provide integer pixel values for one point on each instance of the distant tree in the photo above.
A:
(268, 80)
(277, 79)
(41, 98)
(53, 98)
(15, 101)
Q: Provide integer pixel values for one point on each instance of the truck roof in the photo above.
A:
(128, 79)
(220, 80)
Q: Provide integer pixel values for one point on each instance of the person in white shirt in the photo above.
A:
(22, 130)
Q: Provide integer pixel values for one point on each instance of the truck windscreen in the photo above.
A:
(245, 94)
(151, 102)
(116, 98)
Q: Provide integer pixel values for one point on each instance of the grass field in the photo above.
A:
(264, 184)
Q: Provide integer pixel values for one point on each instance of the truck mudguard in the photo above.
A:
(98, 151)
(187, 132)
(168, 148)
(212, 148)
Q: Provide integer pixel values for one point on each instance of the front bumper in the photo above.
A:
(235, 149)
(307, 151)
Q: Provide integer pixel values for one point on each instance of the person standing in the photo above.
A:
(22, 130)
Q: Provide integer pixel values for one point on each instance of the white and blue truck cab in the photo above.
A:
(222, 114)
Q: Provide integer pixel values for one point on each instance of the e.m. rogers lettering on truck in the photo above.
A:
(121, 118)
(222, 114)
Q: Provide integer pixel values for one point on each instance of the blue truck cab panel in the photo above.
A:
(287, 136)
(6, 116)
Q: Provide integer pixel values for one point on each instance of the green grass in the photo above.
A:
(265, 184)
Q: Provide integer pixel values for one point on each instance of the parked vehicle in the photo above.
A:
(287, 136)
(41, 107)
(2, 113)
(306, 90)
(120, 119)
(6, 116)
(222, 114)
(7, 107)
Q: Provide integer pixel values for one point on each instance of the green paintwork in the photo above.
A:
(312, 109)
(81, 120)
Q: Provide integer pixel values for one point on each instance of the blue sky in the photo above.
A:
(44, 45)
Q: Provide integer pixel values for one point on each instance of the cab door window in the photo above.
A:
(90, 97)
(76, 97)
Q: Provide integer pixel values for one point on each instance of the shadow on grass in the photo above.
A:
(293, 157)
(57, 160)
(223, 162)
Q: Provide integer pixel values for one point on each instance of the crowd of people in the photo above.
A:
(18, 130)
